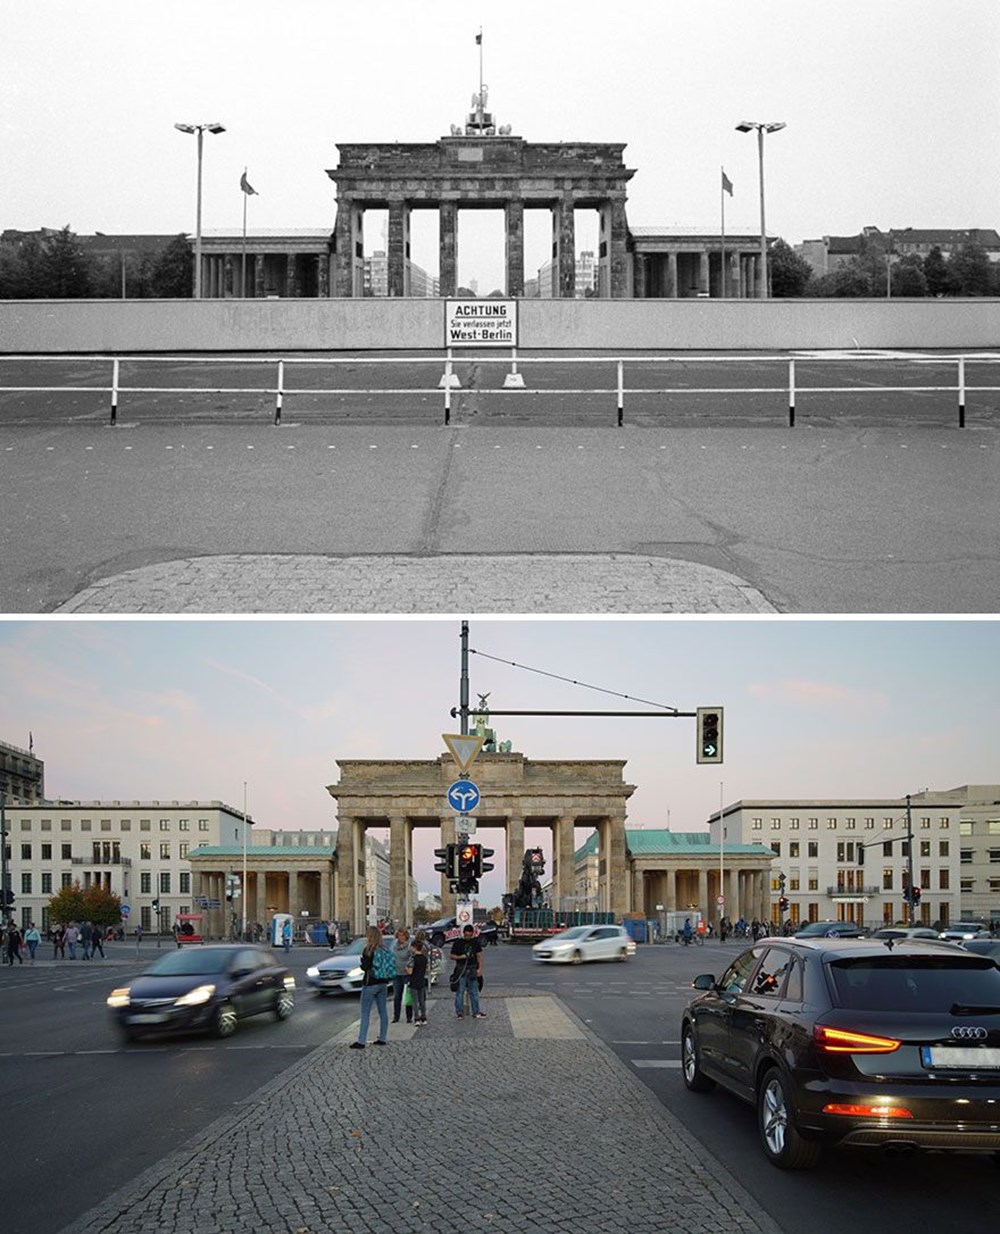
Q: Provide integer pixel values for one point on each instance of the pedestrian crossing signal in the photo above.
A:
(709, 743)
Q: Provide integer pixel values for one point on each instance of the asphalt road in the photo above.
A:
(873, 503)
(86, 1113)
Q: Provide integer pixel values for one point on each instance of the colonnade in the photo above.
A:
(746, 892)
(272, 887)
(289, 275)
(677, 273)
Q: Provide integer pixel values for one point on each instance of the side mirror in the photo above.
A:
(705, 982)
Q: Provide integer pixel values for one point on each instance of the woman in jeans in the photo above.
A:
(373, 990)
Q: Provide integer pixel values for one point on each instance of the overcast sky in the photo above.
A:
(189, 710)
(891, 107)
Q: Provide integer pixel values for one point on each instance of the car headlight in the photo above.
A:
(289, 982)
(355, 973)
(312, 972)
(120, 998)
(194, 998)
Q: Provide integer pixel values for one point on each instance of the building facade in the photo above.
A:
(849, 859)
(22, 776)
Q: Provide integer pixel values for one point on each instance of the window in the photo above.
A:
(144, 850)
(756, 824)
(126, 824)
(776, 848)
(26, 884)
(925, 848)
(184, 825)
(775, 824)
(66, 880)
(66, 824)
(942, 848)
(185, 887)
(944, 881)
(887, 878)
(67, 852)
(869, 824)
(203, 824)
(813, 879)
(812, 848)
(145, 824)
(995, 856)
(944, 824)
(105, 824)
(769, 979)
(793, 848)
(182, 851)
(925, 824)
(993, 826)
(46, 884)
(46, 824)
(852, 824)
(46, 852)
(25, 852)
(814, 824)
(85, 824)
(965, 856)
(165, 883)
(966, 885)
(793, 824)
(793, 881)
(164, 824)
(735, 977)
(964, 827)
(165, 851)
(145, 883)
(831, 824)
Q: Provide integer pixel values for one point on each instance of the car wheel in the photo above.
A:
(226, 1021)
(694, 1078)
(284, 1005)
(577, 957)
(437, 940)
(779, 1136)
(131, 1034)
(623, 954)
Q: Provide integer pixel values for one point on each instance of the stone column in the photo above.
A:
(670, 891)
(563, 246)
(323, 276)
(398, 213)
(448, 247)
(563, 876)
(703, 279)
(640, 277)
(325, 899)
(260, 899)
(351, 874)
(734, 274)
(703, 892)
(514, 220)
(638, 896)
(398, 866)
(514, 836)
(616, 864)
(617, 249)
(347, 248)
(671, 288)
(258, 276)
(291, 277)
(227, 275)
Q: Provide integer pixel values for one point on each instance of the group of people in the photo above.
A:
(15, 944)
(89, 937)
(404, 964)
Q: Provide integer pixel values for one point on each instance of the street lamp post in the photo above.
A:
(200, 130)
(746, 126)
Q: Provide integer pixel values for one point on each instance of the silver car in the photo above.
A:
(339, 973)
(585, 942)
(959, 931)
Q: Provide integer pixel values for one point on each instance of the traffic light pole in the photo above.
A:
(4, 912)
(909, 860)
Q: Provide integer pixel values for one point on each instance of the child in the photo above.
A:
(418, 982)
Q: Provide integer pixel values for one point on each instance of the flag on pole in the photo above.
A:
(727, 184)
(31, 742)
(246, 187)
(479, 39)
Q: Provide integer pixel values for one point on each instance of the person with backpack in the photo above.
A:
(467, 952)
(379, 967)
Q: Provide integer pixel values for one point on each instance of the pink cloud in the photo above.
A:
(818, 694)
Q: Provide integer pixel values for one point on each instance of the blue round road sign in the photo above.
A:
(463, 796)
(125, 910)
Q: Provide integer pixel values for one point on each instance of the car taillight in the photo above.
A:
(840, 1041)
(868, 1111)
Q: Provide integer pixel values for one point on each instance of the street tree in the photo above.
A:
(790, 273)
(67, 274)
(78, 903)
(936, 273)
(908, 278)
(969, 267)
(172, 274)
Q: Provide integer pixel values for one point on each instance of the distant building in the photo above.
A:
(830, 253)
(420, 284)
(585, 279)
(22, 776)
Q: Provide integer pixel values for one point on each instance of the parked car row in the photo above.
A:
(958, 931)
(877, 1043)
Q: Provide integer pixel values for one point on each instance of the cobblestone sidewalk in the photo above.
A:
(397, 583)
(522, 1121)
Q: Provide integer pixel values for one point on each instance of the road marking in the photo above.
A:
(671, 1064)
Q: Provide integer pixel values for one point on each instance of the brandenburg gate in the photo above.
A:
(481, 168)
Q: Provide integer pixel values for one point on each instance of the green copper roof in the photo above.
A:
(653, 842)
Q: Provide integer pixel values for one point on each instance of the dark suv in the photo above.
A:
(853, 1041)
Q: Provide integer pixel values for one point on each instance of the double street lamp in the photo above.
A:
(200, 130)
(746, 126)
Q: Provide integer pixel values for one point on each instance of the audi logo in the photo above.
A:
(970, 1034)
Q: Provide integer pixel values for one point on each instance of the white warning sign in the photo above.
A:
(480, 323)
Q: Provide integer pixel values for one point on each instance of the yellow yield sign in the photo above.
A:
(463, 748)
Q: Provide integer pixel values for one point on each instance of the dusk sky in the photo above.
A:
(189, 710)
(891, 107)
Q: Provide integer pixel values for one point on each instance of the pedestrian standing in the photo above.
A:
(379, 968)
(467, 952)
(403, 956)
(72, 934)
(286, 936)
(32, 937)
(418, 982)
(86, 937)
(97, 942)
(14, 945)
(59, 942)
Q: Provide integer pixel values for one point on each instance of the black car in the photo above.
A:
(204, 988)
(444, 931)
(830, 929)
(860, 1042)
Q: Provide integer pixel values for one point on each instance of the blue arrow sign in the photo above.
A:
(463, 796)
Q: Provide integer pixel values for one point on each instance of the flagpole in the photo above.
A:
(722, 202)
(479, 40)
(243, 272)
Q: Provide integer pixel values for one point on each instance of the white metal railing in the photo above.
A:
(515, 379)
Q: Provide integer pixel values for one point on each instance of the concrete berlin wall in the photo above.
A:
(172, 326)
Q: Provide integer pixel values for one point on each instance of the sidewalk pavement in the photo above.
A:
(401, 583)
(521, 1122)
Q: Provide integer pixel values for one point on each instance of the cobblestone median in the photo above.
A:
(459, 1126)
(398, 583)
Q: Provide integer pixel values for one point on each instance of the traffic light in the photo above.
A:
(482, 865)
(783, 904)
(709, 724)
(6, 901)
(444, 855)
(915, 895)
(468, 855)
(156, 906)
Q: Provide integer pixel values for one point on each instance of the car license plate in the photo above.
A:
(148, 1017)
(967, 1058)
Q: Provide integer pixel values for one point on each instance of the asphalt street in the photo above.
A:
(880, 504)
